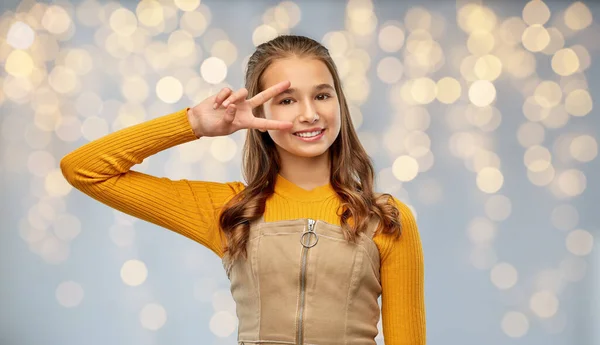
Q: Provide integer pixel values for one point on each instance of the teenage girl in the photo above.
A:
(307, 244)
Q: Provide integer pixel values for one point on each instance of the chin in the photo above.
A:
(309, 153)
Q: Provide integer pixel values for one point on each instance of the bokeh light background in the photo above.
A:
(481, 116)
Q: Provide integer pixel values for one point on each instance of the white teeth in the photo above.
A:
(309, 134)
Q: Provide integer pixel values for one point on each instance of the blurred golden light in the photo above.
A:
(194, 22)
(584, 148)
(537, 158)
(548, 94)
(544, 304)
(40, 163)
(357, 88)
(56, 185)
(423, 90)
(473, 17)
(482, 93)
(123, 22)
(37, 138)
(287, 14)
(480, 42)
(489, 180)
(225, 50)
(17, 89)
(88, 104)
(223, 149)
(535, 38)
(532, 110)
(572, 182)
(583, 55)
(56, 20)
(557, 41)
(338, 43)
(565, 62)
(391, 37)
(519, 63)
(94, 127)
(87, 13)
(578, 16)
(488, 67)
(417, 143)
(187, 5)
(19, 64)
(135, 89)
(213, 70)
(448, 90)
(63, 80)
(580, 242)
(515, 324)
(481, 231)
(556, 117)
(498, 207)
(169, 89)
(467, 67)
(66, 227)
(416, 119)
(262, 34)
(68, 128)
(536, 12)
(364, 27)
(504, 275)
(20, 35)
(578, 103)
(79, 60)
(150, 13)
(417, 18)
(483, 159)
(390, 69)
(511, 30)
(181, 44)
(405, 168)
(134, 272)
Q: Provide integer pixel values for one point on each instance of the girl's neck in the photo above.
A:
(306, 173)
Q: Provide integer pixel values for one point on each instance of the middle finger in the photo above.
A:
(236, 96)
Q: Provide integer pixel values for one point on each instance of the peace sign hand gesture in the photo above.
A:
(209, 119)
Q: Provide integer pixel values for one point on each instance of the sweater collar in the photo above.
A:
(290, 190)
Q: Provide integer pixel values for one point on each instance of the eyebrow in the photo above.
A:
(319, 87)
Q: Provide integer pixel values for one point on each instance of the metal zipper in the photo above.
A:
(306, 242)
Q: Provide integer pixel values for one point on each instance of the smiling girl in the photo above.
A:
(306, 242)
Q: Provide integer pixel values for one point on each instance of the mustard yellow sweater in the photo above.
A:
(101, 169)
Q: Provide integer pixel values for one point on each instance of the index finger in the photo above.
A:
(269, 93)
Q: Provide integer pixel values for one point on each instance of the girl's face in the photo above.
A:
(311, 92)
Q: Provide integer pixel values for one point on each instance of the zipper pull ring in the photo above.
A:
(306, 239)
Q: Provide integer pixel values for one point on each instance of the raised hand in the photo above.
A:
(210, 119)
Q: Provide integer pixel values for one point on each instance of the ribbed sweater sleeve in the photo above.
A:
(102, 170)
(402, 280)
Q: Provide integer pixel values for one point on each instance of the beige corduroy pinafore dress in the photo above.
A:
(303, 283)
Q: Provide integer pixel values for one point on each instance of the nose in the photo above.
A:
(308, 114)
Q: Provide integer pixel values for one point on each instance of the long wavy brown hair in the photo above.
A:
(352, 172)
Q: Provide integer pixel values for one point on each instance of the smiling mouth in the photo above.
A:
(310, 134)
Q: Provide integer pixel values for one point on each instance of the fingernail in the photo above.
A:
(215, 106)
(225, 104)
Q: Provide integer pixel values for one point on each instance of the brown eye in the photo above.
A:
(324, 94)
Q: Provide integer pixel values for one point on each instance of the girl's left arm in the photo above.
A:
(402, 280)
